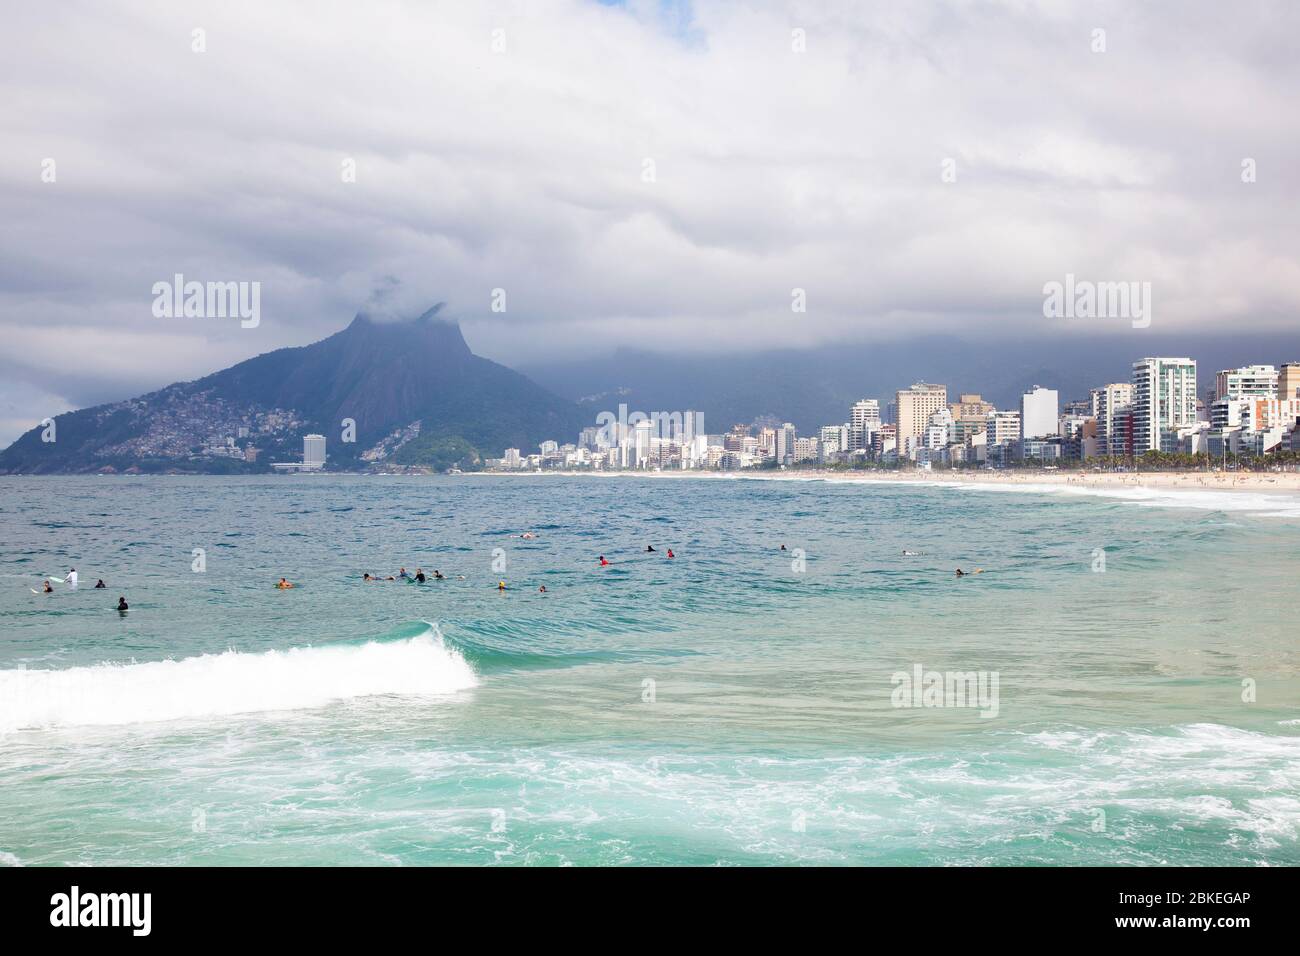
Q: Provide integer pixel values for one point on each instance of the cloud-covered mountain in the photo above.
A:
(412, 388)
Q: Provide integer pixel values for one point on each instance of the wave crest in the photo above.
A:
(231, 683)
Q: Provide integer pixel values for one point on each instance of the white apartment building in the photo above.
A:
(1164, 401)
(1246, 381)
(1109, 405)
(1038, 413)
(1003, 428)
(313, 452)
(864, 417)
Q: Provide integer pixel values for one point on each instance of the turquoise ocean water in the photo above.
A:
(728, 706)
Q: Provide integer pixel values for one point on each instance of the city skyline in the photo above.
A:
(1252, 411)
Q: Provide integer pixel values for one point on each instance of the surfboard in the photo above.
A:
(34, 591)
(57, 580)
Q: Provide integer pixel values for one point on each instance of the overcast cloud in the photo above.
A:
(524, 170)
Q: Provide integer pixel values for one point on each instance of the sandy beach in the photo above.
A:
(1254, 482)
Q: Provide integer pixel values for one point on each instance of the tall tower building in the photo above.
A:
(1164, 400)
(1038, 411)
(1108, 405)
(915, 405)
(785, 437)
(863, 417)
(313, 452)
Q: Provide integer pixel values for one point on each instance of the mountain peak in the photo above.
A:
(426, 332)
(381, 373)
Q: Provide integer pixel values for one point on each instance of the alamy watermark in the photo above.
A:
(208, 300)
(922, 688)
(670, 426)
(1084, 299)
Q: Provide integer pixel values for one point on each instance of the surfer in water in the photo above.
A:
(649, 548)
(603, 563)
(284, 584)
(47, 588)
(121, 604)
(501, 585)
(72, 577)
(542, 589)
(419, 575)
(670, 553)
(100, 584)
(402, 574)
(438, 575)
(910, 554)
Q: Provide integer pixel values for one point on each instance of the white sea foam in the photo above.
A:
(1262, 503)
(230, 683)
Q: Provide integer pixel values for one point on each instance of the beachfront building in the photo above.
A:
(914, 406)
(313, 452)
(1164, 401)
(1112, 406)
(785, 438)
(969, 417)
(1002, 431)
(1249, 380)
(864, 418)
(937, 431)
(1038, 413)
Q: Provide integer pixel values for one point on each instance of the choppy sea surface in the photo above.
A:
(736, 704)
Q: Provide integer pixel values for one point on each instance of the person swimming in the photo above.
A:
(438, 575)
(100, 584)
(47, 588)
(527, 535)
(367, 578)
(419, 575)
(284, 584)
(122, 605)
(670, 553)
(782, 547)
(603, 562)
(501, 585)
(961, 573)
(542, 589)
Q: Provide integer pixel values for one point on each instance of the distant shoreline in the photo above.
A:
(1254, 482)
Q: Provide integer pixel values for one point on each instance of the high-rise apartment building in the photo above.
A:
(1038, 413)
(1114, 431)
(1247, 381)
(864, 418)
(915, 405)
(313, 452)
(785, 436)
(1164, 400)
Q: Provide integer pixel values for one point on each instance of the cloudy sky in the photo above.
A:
(651, 174)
